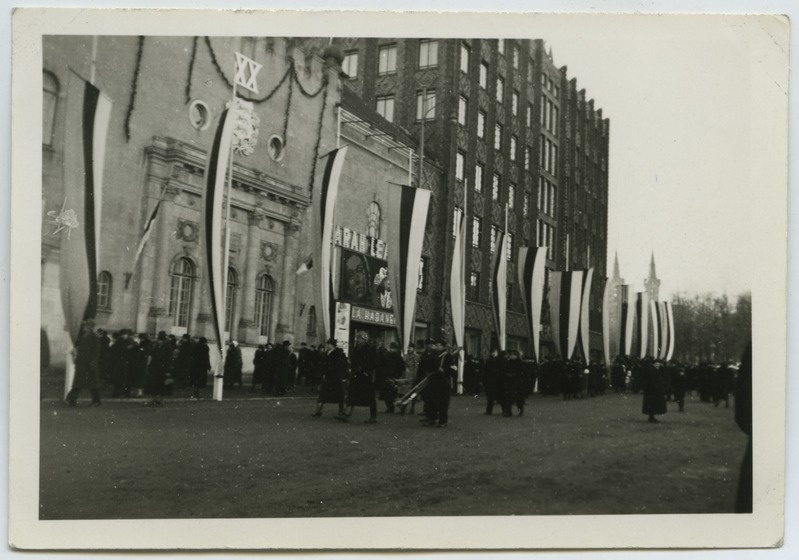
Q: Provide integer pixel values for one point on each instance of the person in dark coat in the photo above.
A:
(438, 395)
(512, 384)
(492, 380)
(233, 365)
(392, 366)
(182, 370)
(138, 358)
(105, 345)
(334, 368)
(159, 370)
(679, 387)
(87, 365)
(743, 418)
(285, 365)
(200, 366)
(362, 377)
(723, 385)
(118, 363)
(653, 389)
(304, 364)
(258, 366)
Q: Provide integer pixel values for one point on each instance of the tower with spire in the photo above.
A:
(616, 295)
(652, 282)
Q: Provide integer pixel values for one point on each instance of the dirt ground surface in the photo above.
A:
(270, 458)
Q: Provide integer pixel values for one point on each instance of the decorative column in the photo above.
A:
(158, 296)
(247, 330)
(285, 320)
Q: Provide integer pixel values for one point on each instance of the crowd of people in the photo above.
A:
(134, 365)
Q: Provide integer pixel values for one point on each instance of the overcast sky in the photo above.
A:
(677, 92)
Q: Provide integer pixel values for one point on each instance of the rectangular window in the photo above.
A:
(529, 115)
(514, 103)
(428, 53)
(530, 72)
(456, 220)
(385, 107)
(463, 104)
(426, 105)
(545, 206)
(483, 75)
(500, 89)
(466, 52)
(387, 59)
(511, 196)
(481, 124)
(543, 80)
(542, 143)
(310, 326)
(421, 282)
(515, 55)
(551, 241)
(526, 205)
(541, 187)
(528, 155)
(514, 141)
(476, 225)
(552, 197)
(509, 295)
(509, 253)
(350, 64)
(460, 161)
(474, 286)
(553, 166)
(501, 46)
(492, 243)
(498, 137)
(495, 187)
(478, 177)
(555, 116)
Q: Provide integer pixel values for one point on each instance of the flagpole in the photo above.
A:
(219, 376)
(462, 302)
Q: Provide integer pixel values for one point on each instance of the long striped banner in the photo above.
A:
(324, 199)
(664, 330)
(670, 316)
(145, 236)
(606, 322)
(627, 319)
(565, 295)
(499, 285)
(88, 113)
(457, 289)
(585, 316)
(654, 342)
(642, 314)
(406, 222)
(216, 170)
(531, 271)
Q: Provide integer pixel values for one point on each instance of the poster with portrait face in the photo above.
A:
(364, 280)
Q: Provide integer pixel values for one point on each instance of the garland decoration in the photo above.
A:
(134, 86)
(191, 70)
(287, 115)
(318, 134)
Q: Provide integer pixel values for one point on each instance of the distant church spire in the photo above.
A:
(652, 283)
(616, 272)
(652, 273)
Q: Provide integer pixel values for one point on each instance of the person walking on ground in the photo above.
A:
(233, 365)
(269, 370)
(159, 370)
(200, 366)
(334, 371)
(678, 385)
(87, 365)
(653, 389)
(118, 362)
(258, 365)
(512, 384)
(438, 396)
(362, 378)
(492, 380)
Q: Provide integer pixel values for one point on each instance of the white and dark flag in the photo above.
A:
(499, 284)
(406, 221)
(324, 206)
(606, 294)
(565, 297)
(585, 314)
(457, 289)
(654, 308)
(642, 314)
(531, 270)
(627, 319)
(145, 236)
(670, 322)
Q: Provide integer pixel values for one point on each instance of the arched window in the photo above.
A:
(263, 304)
(310, 328)
(182, 279)
(49, 100)
(104, 290)
(230, 299)
(373, 224)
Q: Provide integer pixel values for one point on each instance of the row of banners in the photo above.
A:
(646, 327)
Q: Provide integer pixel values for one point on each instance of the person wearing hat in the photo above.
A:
(200, 366)
(159, 370)
(87, 365)
(437, 366)
(334, 371)
(119, 364)
(362, 377)
(233, 365)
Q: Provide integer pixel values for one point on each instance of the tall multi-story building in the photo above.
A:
(510, 130)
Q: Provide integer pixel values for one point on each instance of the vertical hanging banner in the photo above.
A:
(627, 319)
(642, 314)
(457, 289)
(531, 271)
(406, 221)
(212, 205)
(88, 113)
(664, 330)
(555, 280)
(670, 316)
(324, 201)
(499, 283)
(606, 322)
(565, 295)
(654, 332)
(585, 314)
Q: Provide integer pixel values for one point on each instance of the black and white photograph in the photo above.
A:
(460, 285)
